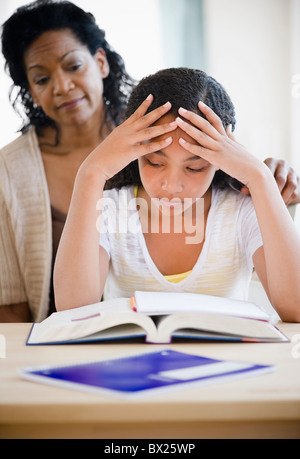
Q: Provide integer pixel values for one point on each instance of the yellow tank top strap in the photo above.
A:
(175, 278)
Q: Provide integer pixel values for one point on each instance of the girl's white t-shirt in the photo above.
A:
(224, 267)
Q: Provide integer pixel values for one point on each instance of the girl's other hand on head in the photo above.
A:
(218, 146)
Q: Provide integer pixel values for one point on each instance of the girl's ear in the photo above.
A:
(102, 62)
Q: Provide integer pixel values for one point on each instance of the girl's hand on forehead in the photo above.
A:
(134, 138)
(217, 145)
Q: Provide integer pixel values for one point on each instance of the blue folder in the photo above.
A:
(144, 373)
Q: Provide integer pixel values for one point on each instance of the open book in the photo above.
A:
(158, 317)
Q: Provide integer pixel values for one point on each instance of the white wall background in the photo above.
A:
(295, 80)
(252, 48)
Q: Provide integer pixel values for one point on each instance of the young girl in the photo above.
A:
(175, 157)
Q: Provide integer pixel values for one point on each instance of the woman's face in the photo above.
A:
(65, 80)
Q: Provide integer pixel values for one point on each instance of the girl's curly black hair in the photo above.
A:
(32, 20)
(183, 87)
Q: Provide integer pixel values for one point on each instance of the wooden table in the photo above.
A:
(265, 406)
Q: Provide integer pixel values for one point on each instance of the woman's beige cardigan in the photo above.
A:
(25, 226)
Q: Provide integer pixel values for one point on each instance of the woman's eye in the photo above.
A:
(41, 81)
(75, 67)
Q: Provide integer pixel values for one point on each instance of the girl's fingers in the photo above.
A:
(141, 110)
(212, 126)
(155, 131)
(151, 147)
(212, 117)
(144, 119)
(197, 150)
(201, 137)
(142, 126)
(200, 123)
(150, 118)
(229, 132)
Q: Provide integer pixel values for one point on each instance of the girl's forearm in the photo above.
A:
(77, 279)
(281, 246)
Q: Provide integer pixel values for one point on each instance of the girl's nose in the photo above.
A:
(172, 184)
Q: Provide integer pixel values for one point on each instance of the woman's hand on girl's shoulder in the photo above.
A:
(287, 179)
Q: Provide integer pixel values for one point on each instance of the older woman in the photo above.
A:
(72, 89)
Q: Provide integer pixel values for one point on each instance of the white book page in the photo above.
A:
(67, 324)
(157, 303)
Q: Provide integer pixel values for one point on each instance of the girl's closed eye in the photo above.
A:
(153, 163)
(192, 169)
(199, 165)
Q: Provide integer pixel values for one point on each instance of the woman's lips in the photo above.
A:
(71, 104)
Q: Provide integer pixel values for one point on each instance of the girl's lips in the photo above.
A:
(171, 203)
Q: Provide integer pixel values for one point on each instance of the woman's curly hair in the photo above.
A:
(32, 20)
(183, 87)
